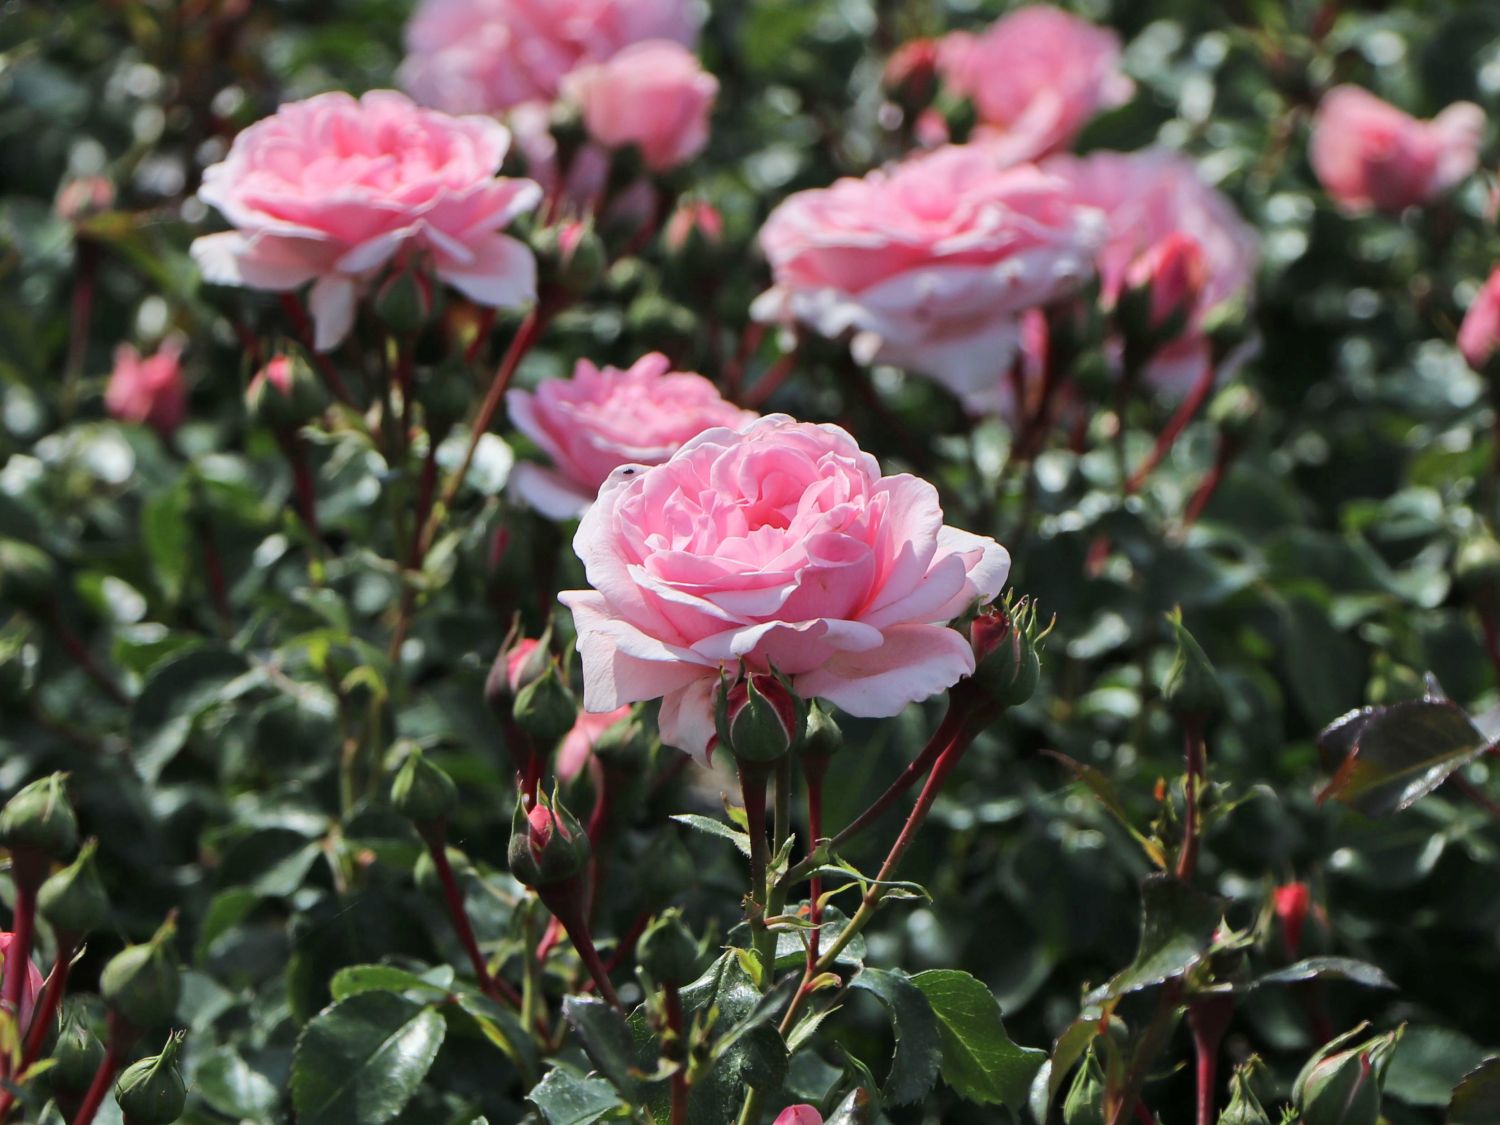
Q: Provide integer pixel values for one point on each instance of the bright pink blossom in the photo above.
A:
(929, 265)
(781, 545)
(601, 419)
(799, 1115)
(149, 390)
(1174, 273)
(487, 56)
(1036, 77)
(31, 984)
(577, 746)
(1479, 334)
(653, 95)
(1369, 155)
(333, 191)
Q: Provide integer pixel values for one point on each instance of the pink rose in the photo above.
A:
(1370, 155)
(487, 56)
(333, 191)
(930, 264)
(149, 390)
(598, 420)
(1173, 273)
(653, 95)
(1150, 198)
(1036, 77)
(778, 544)
(1479, 334)
(798, 1115)
(577, 746)
(31, 986)
(693, 217)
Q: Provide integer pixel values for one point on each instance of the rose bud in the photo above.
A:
(1479, 334)
(1477, 566)
(910, 75)
(1234, 410)
(39, 819)
(1340, 1085)
(548, 846)
(83, 198)
(1289, 903)
(150, 390)
(28, 576)
(142, 984)
(1084, 1104)
(696, 226)
(31, 986)
(407, 300)
(758, 718)
(570, 256)
(668, 951)
(821, 738)
(1162, 288)
(151, 1092)
(1191, 688)
(545, 708)
(799, 1115)
(1007, 642)
(519, 661)
(75, 1056)
(285, 393)
(1244, 1107)
(73, 901)
(422, 792)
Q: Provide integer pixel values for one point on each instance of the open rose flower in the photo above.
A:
(1479, 334)
(929, 265)
(149, 390)
(601, 419)
(653, 95)
(1161, 211)
(1369, 155)
(31, 983)
(333, 191)
(488, 56)
(1036, 77)
(780, 545)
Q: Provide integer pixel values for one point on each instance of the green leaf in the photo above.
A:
(178, 691)
(166, 535)
(1476, 1100)
(1068, 1049)
(979, 1060)
(1330, 968)
(503, 1029)
(1401, 753)
(919, 1038)
(1177, 925)
(1104, 791)
(379, 978)
(1428, 1063)
(605, 1038)
(566, 1098)
(712, 827)
(232, 1087)
(360, 1060)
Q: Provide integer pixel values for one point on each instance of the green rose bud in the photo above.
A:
(75, 1056)
(39, 818)
(1340, 1085)
(151, 1092)
(1244, 1107)
(1007, 641)
(758, 717)
(422, 792)
(286, 393)
(407, 301)
(141, 984)
(668, 951)
(545, 708)
(1191, 687)
(570, 256)
(1084, 1104)
(821, 737)
(547, 844)
(1234, 410)
(28, 576)
(73, 901)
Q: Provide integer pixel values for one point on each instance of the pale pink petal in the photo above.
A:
(914, 663)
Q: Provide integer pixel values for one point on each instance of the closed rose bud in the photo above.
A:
(545, 708)
(151, 1091)
(285, 393)
(548, 846)
(73, 900)
(83, 198)
(1244, 1107)
(422, 792)
(28, 576)
(1191, 688)
(821, 738)
(31, 984)
(1479, 334)
(799, 1115)
(1289, 903)
(1340, 1085)
(1084, 1104)
(40, 819)
(75, 1056)
(758, 718)
(668, 951)
(694, 227)
(1162, 288)
(570, 256)
(910, 75)
(142, 984)
(1234, 410)
(148, 390)
(406, 301)
(1006, 641)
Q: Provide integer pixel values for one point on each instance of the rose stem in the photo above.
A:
(46, 1009)
(79, 653)
(1185, 413)
(753, 786)
(103, 1077)
(303, 329)
(28, 869)
(1209, 485)
(813, 769)
(1208, 1019)
(436, 838)
(677, 1026)
(566, 904)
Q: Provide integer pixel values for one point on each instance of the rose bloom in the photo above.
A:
(799, 1115)
(31, 984)
(1156, 197)
(1479, 334)
(148, 390)
(601, 419)
(653, 95)
(333, 190)
(1036, 77)
(488, 56)
(930, 264)
(1369, 155)
(780, 545)
(576, 749)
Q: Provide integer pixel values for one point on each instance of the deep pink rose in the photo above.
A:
(31, 985)
(577, 746)
(486, 56)
(1479, 334)
(778, 544)
(929, 265)
(149, 390)
(653, 95)
(598, 420)
(1036, 77)
(1369, 155)
(333, 191)
(1150, 198)
(1173, 272)
(798, 1115)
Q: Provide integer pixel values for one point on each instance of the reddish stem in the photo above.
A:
(1186, 411)
(436, 837)
(304, 331)
(941, 739)
(303, 487)
(677, 1025)
(104, 1077)
(626, 945)
(481, 335)
(1226, 454)
(213, 573)
(566, 901)
(27, 871)
(771, 381)
(1208, 1019)
(41, 1020)
(79, 653)
(814, 767)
